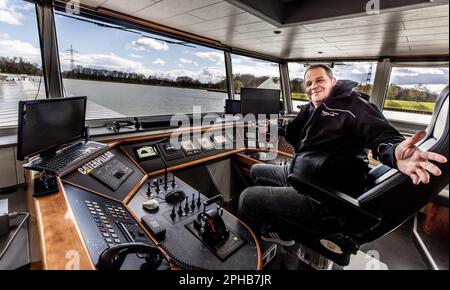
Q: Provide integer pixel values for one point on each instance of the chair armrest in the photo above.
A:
(338, 202)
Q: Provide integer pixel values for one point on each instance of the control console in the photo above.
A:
(105, 223)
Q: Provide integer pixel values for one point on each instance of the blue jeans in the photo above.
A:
(273, 205)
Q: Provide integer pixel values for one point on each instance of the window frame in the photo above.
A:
(402, 126)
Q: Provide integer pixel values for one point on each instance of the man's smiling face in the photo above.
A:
(318, 85)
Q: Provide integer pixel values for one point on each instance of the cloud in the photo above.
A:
(9, 12)
(411, 76)
(105, 61)
(135, 55)
(207, 75)
(211, 56)
(159, 61)
(187, 61)
(17, 48)
(256, 68)
(148, 43)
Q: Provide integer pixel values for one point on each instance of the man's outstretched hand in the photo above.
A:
(416, 163)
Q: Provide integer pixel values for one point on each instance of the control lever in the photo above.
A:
(149, 192)
(210, 223)
(157, 186)
(173, 182)
(173, 214)
(186, 205)
(193, 201)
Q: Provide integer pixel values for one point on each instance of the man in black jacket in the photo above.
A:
(331, 135)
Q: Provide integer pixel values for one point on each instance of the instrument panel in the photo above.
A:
(114, 202)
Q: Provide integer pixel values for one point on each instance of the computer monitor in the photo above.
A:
(232, 106)
(260, 101)
(45, 125)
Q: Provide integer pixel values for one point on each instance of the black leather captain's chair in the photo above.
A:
(390, 199)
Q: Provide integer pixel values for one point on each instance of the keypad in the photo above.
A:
(107, 231)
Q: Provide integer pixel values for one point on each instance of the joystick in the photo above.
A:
(173, 182)
(149, 192)
(173, 214)
(186, 205)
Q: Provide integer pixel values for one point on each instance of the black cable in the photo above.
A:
(14, 215)
(178, 262)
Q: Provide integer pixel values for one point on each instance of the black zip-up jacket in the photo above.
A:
(331, 141)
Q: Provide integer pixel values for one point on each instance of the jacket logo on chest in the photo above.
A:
(329, 113)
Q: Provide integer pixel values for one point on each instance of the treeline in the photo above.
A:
(418, 93)
(16, 65)
(137, 78)
(240, 80)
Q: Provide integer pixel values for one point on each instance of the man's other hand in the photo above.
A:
(416, 163)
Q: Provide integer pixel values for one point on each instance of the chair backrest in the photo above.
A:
(394, 197)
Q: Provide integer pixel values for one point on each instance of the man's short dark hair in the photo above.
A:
(324, 66)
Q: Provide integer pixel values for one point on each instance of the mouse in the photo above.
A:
(151, 204)
(175, 196)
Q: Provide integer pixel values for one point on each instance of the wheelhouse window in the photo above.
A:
(20, 59)
(361, 72)
(254, 73)
(129, 73)
(412, 93)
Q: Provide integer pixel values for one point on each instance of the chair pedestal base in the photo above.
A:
(313, 259)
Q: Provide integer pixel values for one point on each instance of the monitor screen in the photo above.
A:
(260, 101)
(45, 125)
(232, 106)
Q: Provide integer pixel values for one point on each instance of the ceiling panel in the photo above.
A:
(259, 26)
(432, 22)
(129, 6)
(218, 10)
(169, 8)
(362, 30)
(92, 3)
(428, 37)
(383, 18)
(224, 22)
(425, 31)
(412, 31)
(183, 19)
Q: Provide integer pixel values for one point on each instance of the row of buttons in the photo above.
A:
(102, 223)
(117, 212)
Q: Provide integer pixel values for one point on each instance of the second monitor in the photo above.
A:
(260, 101)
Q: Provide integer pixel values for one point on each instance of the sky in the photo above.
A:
(115, 49)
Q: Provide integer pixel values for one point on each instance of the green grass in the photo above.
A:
(299, 97)
(409, 106)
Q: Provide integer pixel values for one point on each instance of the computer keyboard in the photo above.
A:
(67, 158)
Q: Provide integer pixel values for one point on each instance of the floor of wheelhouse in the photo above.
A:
(397, 251)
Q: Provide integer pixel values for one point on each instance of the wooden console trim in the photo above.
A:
(135, 189)
(62, 246)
